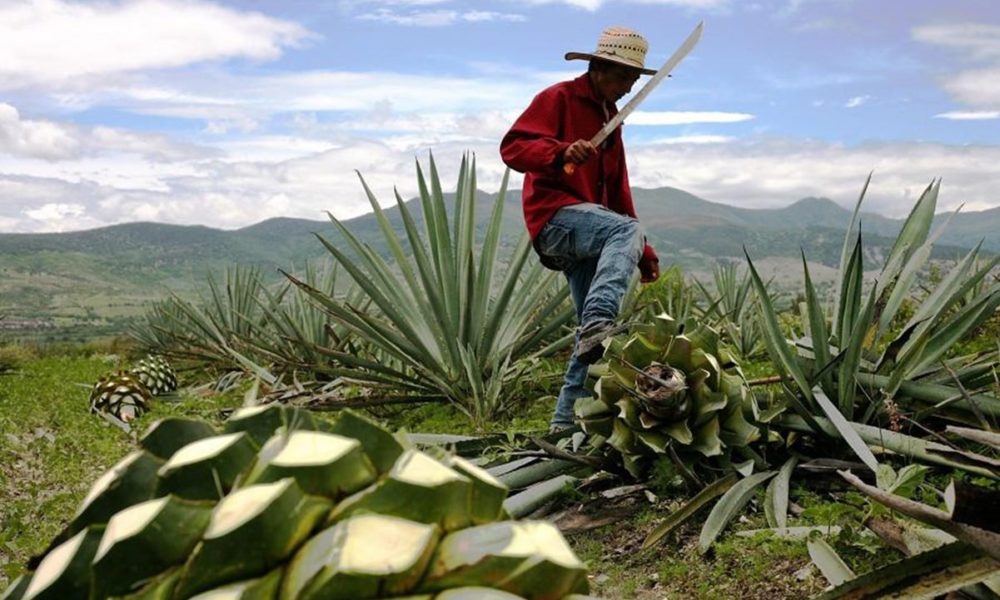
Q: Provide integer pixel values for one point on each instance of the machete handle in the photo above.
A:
(569, 168)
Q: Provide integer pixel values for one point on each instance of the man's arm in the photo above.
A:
(533, 144)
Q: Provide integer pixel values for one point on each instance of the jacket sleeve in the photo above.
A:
(533, 143)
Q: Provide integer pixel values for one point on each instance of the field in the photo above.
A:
(52, 451)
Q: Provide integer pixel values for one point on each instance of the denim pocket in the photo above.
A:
(554, 245)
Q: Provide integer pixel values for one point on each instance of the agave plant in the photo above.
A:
(855, 369)
(280, 504)
(669, 391)
(670, 294)
(207, 331)
(298, 334)
(731, 308)
(447, 322)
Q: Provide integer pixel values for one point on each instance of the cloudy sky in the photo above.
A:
(228, 113)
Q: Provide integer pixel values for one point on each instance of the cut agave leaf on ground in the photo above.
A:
(381, 446)
(323, 464)
(417, 488)
(263, 588)
(250, 532)
(260, 422)
(915, 448)
(476, 593)
(728, 506)
(366, 556)
(927, 575)
(980, 436)
(487, 495)
(537, 471)
(167, 436)
(65, 572)
(207, 469)
(132, 480)
(518, 557)
(776, 499)
(829, 562)
(679, 516)
(133, 547)
(528, 500)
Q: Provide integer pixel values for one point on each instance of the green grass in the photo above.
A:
(761, 567)
(52, 449)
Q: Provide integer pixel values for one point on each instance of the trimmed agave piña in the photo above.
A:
(447, 322)
(156, 374)
(669, 391)
(121, 395)
(283, 505)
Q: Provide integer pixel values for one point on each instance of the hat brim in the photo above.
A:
(588, 56)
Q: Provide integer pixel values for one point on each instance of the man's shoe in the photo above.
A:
(559, 427)
(590, 349)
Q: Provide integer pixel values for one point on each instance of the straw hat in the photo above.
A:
(619, 45)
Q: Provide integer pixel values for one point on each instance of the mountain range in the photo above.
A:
(96, 278)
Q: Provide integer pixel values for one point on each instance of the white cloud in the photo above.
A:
(54, 42)
(693, 139)
(976, 87)
(56, 212)
(53, 141)
(437, 18)
(228, 99)
(856, 101)
(970, 115)
(685, 117)
(753, 172)
(593, 5)
(978, 41)
(763, 172)
(37, 139)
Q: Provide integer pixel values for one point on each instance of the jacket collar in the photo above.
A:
(582, 87)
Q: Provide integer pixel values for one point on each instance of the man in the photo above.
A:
(576, 197)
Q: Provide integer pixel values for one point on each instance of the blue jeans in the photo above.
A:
(598, 250)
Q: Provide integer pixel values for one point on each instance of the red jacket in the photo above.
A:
(558, 116)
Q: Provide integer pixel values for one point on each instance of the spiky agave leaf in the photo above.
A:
(669, 390)
(451, 319)
(121, 395)
(857, 344)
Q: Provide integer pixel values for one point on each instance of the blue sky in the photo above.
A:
(227, 113)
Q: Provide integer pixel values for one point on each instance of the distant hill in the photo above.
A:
(96, 278)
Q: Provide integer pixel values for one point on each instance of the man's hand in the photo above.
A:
(649, 265)
(649, 271)
(579, 152)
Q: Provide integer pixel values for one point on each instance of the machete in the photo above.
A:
(636, 100)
